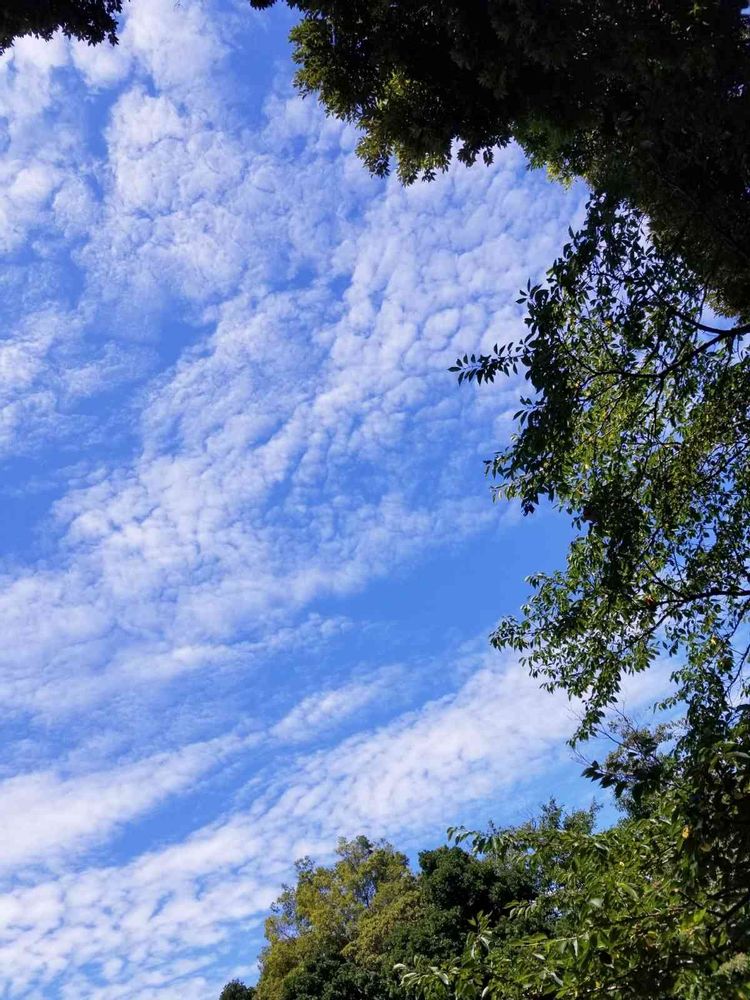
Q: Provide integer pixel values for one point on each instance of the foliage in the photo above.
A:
(637, 425)
(314, 920)
(638, 766)
(339, 931)
(647, 101)
(236, 990)
(657, 906)
(89, 20)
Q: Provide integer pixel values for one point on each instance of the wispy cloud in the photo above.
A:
(327, 708)
(48, 816)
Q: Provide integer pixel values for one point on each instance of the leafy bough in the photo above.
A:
(637, 426)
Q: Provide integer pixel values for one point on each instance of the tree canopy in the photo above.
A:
(92, 21)
(339, 931)
(647, 101)
(235, 989)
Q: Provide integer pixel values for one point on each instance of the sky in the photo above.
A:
(249, 557)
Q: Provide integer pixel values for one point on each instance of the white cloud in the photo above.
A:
(328, 708)
(46, 817)
(268, 477)
(101, 66)
(178, 45)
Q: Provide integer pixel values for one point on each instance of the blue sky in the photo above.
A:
(249, 556)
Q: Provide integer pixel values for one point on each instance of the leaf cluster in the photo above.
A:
(235, 989)
(91, 21)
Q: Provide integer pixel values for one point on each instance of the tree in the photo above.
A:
(647, 101)
(657, 906)
(314, 920)
(88, 20)
(637, 426)
(617, 930)
(450, 888)
(236, 990)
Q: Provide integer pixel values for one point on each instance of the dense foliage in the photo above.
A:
(647, 101)
(656, 907)
(236, 990)
(92, 21)
(339, 931)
